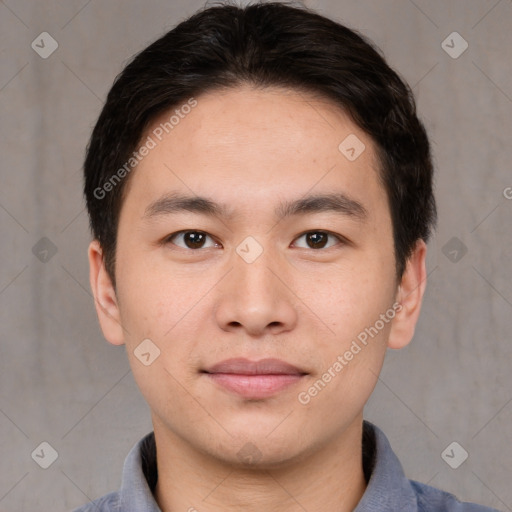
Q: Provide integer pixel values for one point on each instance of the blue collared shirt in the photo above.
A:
(388, 489)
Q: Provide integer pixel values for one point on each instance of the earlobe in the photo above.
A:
(105, 299)
(409, 296)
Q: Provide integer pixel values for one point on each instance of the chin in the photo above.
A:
(255, 449)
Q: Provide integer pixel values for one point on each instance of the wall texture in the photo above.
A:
(63, 384)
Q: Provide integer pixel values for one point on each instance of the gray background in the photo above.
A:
(62, 383)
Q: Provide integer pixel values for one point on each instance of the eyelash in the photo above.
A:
(169, 238)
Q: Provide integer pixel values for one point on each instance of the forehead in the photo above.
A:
(246, 146)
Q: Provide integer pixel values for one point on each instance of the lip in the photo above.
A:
(254, 379)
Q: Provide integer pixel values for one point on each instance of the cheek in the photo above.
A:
(361, 309)
(154, 298)
(352, 359)
(169, 309)
(351, 299)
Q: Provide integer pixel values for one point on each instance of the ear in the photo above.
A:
(409, 295)
(105, 298)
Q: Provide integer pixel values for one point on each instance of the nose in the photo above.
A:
(257, 297)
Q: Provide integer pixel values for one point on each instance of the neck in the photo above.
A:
(331, 479)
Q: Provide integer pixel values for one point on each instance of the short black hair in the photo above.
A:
(274, 44)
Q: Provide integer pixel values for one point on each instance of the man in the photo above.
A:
(260, 194)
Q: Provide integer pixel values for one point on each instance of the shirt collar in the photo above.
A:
(387, 487)
(139, 477)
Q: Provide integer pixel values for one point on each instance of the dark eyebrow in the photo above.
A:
(176, 202)
(315, 203)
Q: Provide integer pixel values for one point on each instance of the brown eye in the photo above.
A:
(318, 239)
(190, 239)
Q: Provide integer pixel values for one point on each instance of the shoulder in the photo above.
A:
(432, 499)
(107, 503)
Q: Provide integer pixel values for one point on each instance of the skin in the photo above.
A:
(251, 149)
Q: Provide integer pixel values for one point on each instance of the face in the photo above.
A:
(288, 257)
